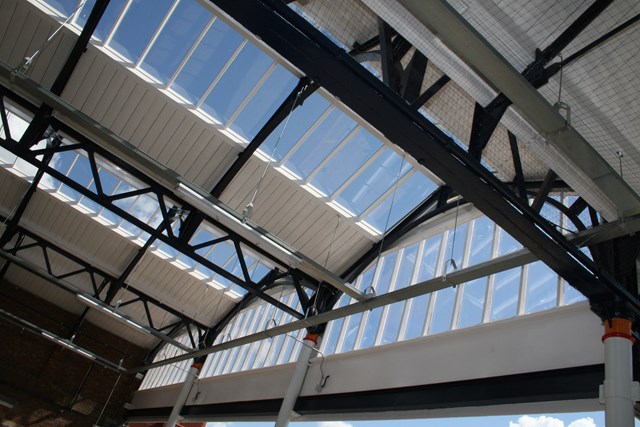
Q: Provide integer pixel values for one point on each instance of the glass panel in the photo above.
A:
(324, 139)
(109, 17)
(541, 288)
(352, 323)
(65, 7)
(236, 83)
(331, 338)
(571, 294)
(381, 287)
(206, 62)
(506, 288)
(472, 305)
(481, 241)
(301, 120)
(395, 310)
(138, 26)
(443, 310)
(353, 155)
(264, 103)
(176, 38)
(409, 195)
(373, 182)
(506, 243)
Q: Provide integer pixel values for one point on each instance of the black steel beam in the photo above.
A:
(413, 75)
(388, 64)
(304, 89)
(517, 166)
(308, 49)
(544, 191)
(566, 384)
(431, 91)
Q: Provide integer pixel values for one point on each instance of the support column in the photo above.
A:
(617, 392)
(192, 374)
(295, 385)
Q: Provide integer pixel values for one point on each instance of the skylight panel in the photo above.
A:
(324, 139)
(346, 162)
(208, 59)
(372, 183)
(407, 196)
(541, 287)
(264, 103)
(481, 240)
(301, 121)
(138, 26)
(109, 18)
(177, 36)
(236, 83)
(65, 7)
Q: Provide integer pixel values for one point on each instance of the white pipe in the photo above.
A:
(192, 374)
(618, 379)
(297, 380)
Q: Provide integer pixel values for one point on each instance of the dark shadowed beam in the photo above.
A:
(517, 166)
(431, 91)
(544, 191)
(309, 50)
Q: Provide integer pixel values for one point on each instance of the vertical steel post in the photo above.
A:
(297, 380)
(617, 392)
(192, 374)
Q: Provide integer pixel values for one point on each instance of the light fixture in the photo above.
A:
(68, 344)
(110, 311)
(235, 224)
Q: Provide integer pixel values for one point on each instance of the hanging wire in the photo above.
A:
(326, 262)
(108, 399)
(451, 259)
(23, 67)
(386, 223)
(248, 209)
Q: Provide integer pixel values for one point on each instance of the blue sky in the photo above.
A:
(584, 419)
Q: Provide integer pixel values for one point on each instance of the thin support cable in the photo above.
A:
(108, 399)
(386, 223)
(248, 209)
(23, 67)
(451, 259)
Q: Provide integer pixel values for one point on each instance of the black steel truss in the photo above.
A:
(100, 282)
(167, 202)
(319, 58)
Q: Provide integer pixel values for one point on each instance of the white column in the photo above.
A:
(192, 374)
(297, 380)
(618, 388)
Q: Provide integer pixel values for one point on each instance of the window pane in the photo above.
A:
(373, 182)
(571, 294)
(542, 287)
(350, 157)
(454, 250)
(236, 83)
(264, 103)
(506, 243)
(137, 27)
(206, 62)
(409, 195)
(443, 310)
(472, 305)
(176, 38)
(320, 143)
(381, 287)
(506, 288)
(108, 17)
(481, 241)
(65, 7)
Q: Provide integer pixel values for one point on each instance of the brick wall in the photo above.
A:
(52, 386)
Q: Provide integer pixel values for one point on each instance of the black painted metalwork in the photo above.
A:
(305, 47)
(517, 166)
(544, 191)
(563, 384)
(431, 91)
(166, 201)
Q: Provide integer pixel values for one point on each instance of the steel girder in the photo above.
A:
(309, 50)
(165, 199)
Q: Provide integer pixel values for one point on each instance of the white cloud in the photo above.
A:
(219, 424)
(542, 421)
(583, 422)
(340, 424)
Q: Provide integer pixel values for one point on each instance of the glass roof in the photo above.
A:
(237, 86)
